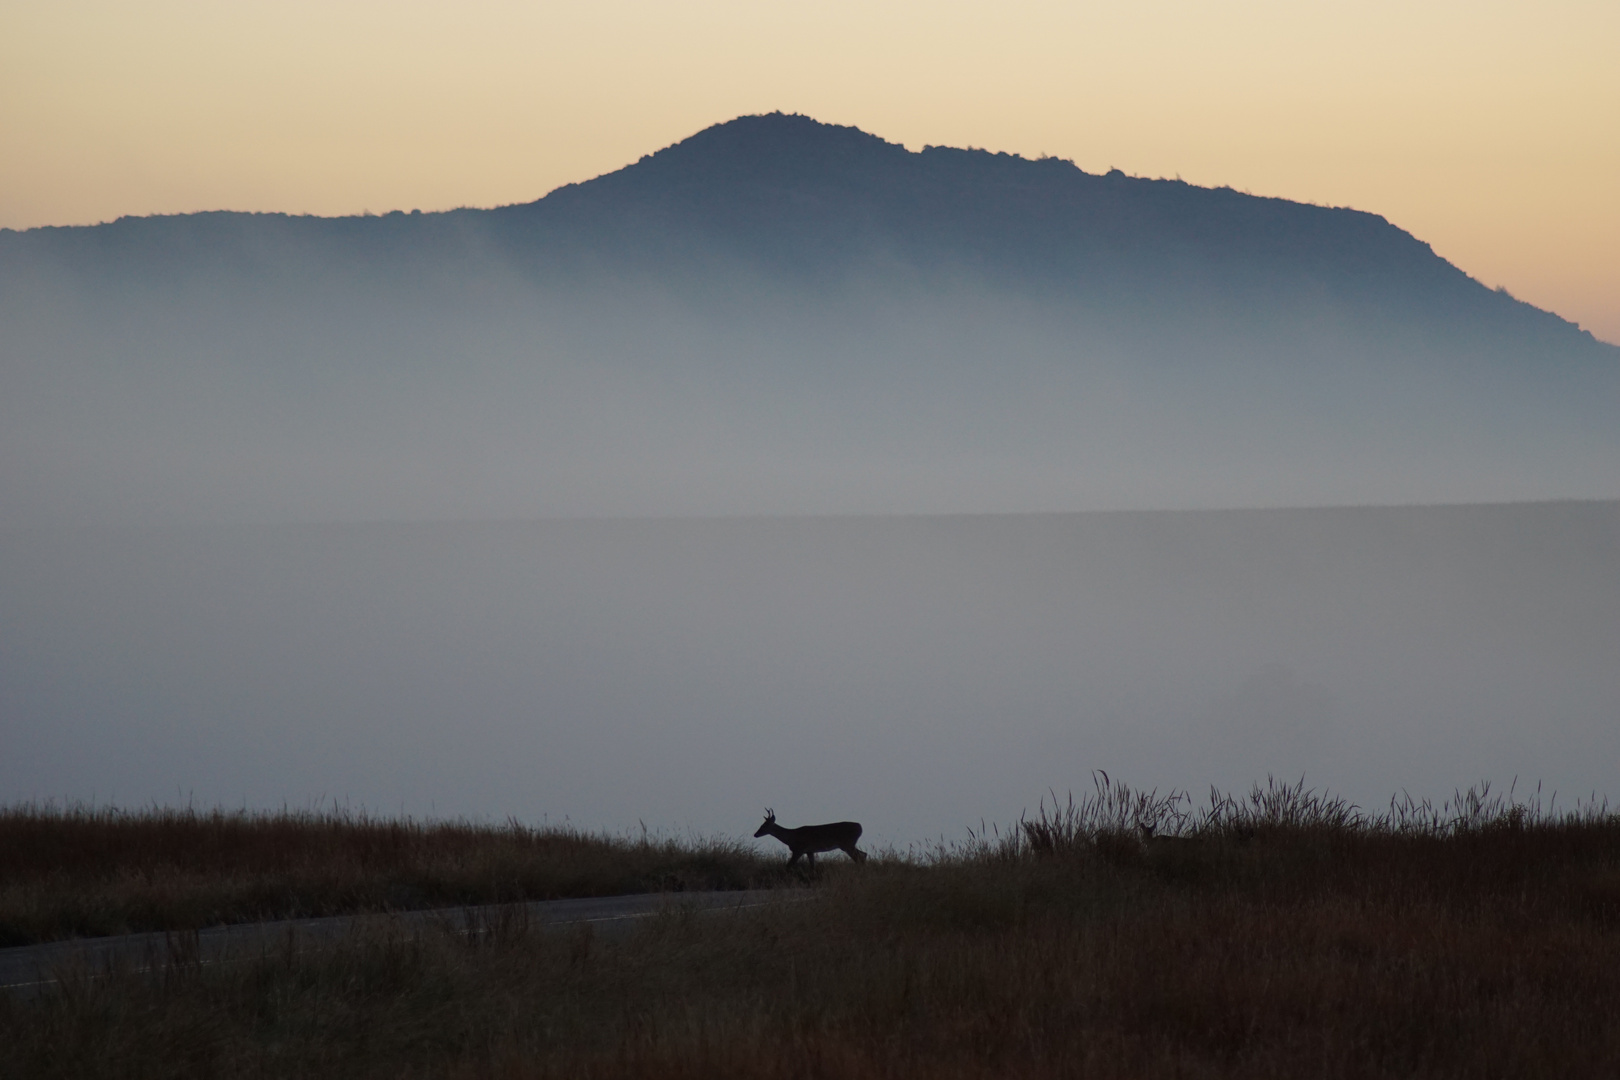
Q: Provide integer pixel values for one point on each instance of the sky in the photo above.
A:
(1490, 130)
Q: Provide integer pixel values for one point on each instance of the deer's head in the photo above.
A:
(770, 819)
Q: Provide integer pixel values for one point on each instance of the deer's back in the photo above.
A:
(833, 834)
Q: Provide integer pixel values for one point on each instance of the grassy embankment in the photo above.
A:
(1281, 935)
(79, 872)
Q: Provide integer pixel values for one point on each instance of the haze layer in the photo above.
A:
(915, 674)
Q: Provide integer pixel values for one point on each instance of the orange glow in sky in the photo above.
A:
(1489, 129)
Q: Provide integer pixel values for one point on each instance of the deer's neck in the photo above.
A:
(780, 833)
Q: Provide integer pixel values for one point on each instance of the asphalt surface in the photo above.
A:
(27, 969)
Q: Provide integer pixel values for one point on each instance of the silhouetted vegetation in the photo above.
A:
(80, 871)
(1279, 934)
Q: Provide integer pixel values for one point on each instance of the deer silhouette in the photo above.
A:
(807, 840)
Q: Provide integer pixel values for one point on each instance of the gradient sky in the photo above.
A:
(1489, 129)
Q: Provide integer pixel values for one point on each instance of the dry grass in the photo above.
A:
(81, 872)
(1280, 935)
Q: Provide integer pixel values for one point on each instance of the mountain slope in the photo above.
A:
(778, 315)
(816, 200)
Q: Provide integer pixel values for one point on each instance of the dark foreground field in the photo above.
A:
(1280, 935)
(92, 872)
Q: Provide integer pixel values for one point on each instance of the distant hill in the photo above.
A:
(739, 310)
(793, 196)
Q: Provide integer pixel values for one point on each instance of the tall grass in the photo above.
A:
(85, 871)
(1281, 933)
(1115, 817)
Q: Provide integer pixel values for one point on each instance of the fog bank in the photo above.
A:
(913, 673)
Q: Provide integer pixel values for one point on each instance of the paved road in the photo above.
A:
(25, 969)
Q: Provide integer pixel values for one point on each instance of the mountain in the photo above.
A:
(778, 315)
(807, 200)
